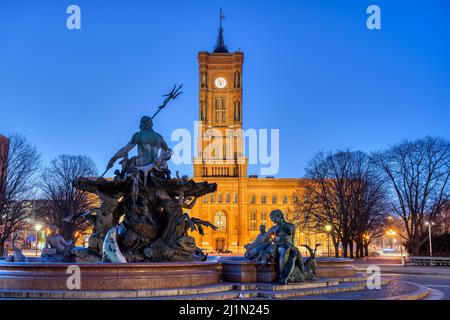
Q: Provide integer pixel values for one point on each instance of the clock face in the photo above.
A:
(220, 82)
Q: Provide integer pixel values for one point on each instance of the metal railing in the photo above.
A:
(428, 261)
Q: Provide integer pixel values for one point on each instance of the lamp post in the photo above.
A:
(366, 244)
(429, 224)
(328, 230)
(391, 233)
(38, 228)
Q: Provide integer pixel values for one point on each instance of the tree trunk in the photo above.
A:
(366, 249)
(336, 246)
(357, 249)
(416, 244)
(345, 249)
(351, 250)
(2, 248)
(336, 250)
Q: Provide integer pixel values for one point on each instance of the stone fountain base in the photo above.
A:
(236, 269)
(218, 278)
(109, 277)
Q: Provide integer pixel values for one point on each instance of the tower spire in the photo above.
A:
(220, 46)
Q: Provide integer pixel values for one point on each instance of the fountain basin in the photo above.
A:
(237, 269)
(109, 276)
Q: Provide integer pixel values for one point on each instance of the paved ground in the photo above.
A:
(389, 290)
(435, 277)
(438, 282)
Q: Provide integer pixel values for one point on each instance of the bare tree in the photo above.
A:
(18, 167)
(418, 172)
(62, 199)
(344, 191)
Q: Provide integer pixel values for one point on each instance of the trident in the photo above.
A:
(172, 95)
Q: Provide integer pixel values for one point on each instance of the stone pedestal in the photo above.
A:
(236, 269)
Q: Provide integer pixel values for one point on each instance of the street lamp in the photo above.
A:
(429, 236)
(38, 228)
(391, 233)
(328, 230)
(366, 238)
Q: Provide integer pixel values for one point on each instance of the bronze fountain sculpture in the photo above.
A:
(142, 216)
(277, 245)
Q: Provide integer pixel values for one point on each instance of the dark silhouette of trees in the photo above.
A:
(17, 172)
(418, 172)
(344, 190)
(62, 199)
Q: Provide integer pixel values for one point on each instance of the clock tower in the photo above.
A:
(220, 150)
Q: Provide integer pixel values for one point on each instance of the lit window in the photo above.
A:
(224, 110)
(237, 111)
(252, 220)
(220, 221)
(264, 218)
(217, 109)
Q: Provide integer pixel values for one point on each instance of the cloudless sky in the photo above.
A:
(312, 69)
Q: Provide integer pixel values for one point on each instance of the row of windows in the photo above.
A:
(220, 171)
(220, 110)
(220, 220)
(284, 199)
(220, 198)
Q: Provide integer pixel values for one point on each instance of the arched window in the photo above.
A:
(212, 198)
(252, 220)
(252, 199)
(285, 199)
(274, 199)
(219, 200)
(227, 198)
(235, 198)
(264, 218)
(224, 110)
(203, 111)
(263, 199)
(220, 221)
(237, 111)
(204, 80)
(217, 110)
(237, 80)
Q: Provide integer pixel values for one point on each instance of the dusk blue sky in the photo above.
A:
(312, 69)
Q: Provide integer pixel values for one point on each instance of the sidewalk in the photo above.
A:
(399, 269)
